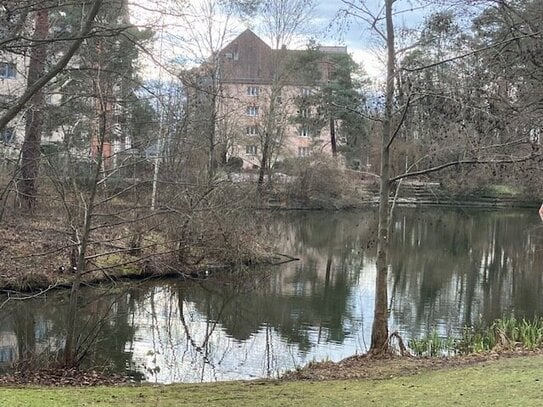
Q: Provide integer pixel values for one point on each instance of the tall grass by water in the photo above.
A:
(503, 334)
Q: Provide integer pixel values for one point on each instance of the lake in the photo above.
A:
(448, 268)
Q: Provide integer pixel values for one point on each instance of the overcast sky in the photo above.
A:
(326, 28)
(362, 43)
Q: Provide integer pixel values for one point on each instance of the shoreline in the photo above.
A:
(30, 271)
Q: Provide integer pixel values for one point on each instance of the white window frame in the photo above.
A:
(251, 111)
(305, 92)
(303, 151)
(251, 130)
(253, 90)
(304, 131)
(251, 149)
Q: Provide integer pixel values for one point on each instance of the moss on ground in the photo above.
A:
(505, 382)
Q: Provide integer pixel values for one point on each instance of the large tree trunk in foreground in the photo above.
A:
(30, 160)
(379, 334)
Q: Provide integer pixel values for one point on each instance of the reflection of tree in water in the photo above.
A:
(458, 267)
(102, 321)
(214, 310)
(447, 267)
(300, 296)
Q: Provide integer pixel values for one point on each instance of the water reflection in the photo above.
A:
(448, 268)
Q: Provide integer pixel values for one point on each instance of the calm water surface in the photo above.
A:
(449, 268)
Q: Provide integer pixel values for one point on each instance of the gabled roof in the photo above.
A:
(246, 58)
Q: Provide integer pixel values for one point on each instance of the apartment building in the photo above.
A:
(12, 84)
(267, 100)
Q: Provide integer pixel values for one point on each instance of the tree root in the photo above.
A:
(403, 349)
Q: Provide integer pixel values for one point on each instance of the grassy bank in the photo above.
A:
(510, 381)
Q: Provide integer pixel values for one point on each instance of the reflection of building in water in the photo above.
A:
(8, 348)
(36, 339)
(333, 245)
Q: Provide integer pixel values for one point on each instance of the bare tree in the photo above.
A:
(283, 21)
(399, 99)
(39, 83)
(207, 27)
(37, 78)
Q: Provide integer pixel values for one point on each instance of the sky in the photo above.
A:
(327, 29)
(364, 45)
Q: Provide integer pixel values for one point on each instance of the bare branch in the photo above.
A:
(55, 70)
(474, 161)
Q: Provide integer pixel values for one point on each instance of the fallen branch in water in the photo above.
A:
(288, 259)
(22, 298)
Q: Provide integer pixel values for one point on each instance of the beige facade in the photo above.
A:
(256, 101)
(12, 84)
(248, 109)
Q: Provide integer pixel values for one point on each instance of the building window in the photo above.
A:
(7, 135)
(251, 130)
(304, 113)
(7, 70)
(306, 92)
(303, 151)
(304, 132)
(252, 111)
(251, 150)
(535, 136)
(253, 90)
(231, 55)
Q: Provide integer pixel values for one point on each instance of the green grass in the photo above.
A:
(499, 189)
(505, 333)
(506, 382)
(433, 345)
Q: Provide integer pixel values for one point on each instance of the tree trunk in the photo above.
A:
(263, 161)
(333, 142)
(70, 348)
(30, 160)
(212, 132)
(19, 104)
(379, 334)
